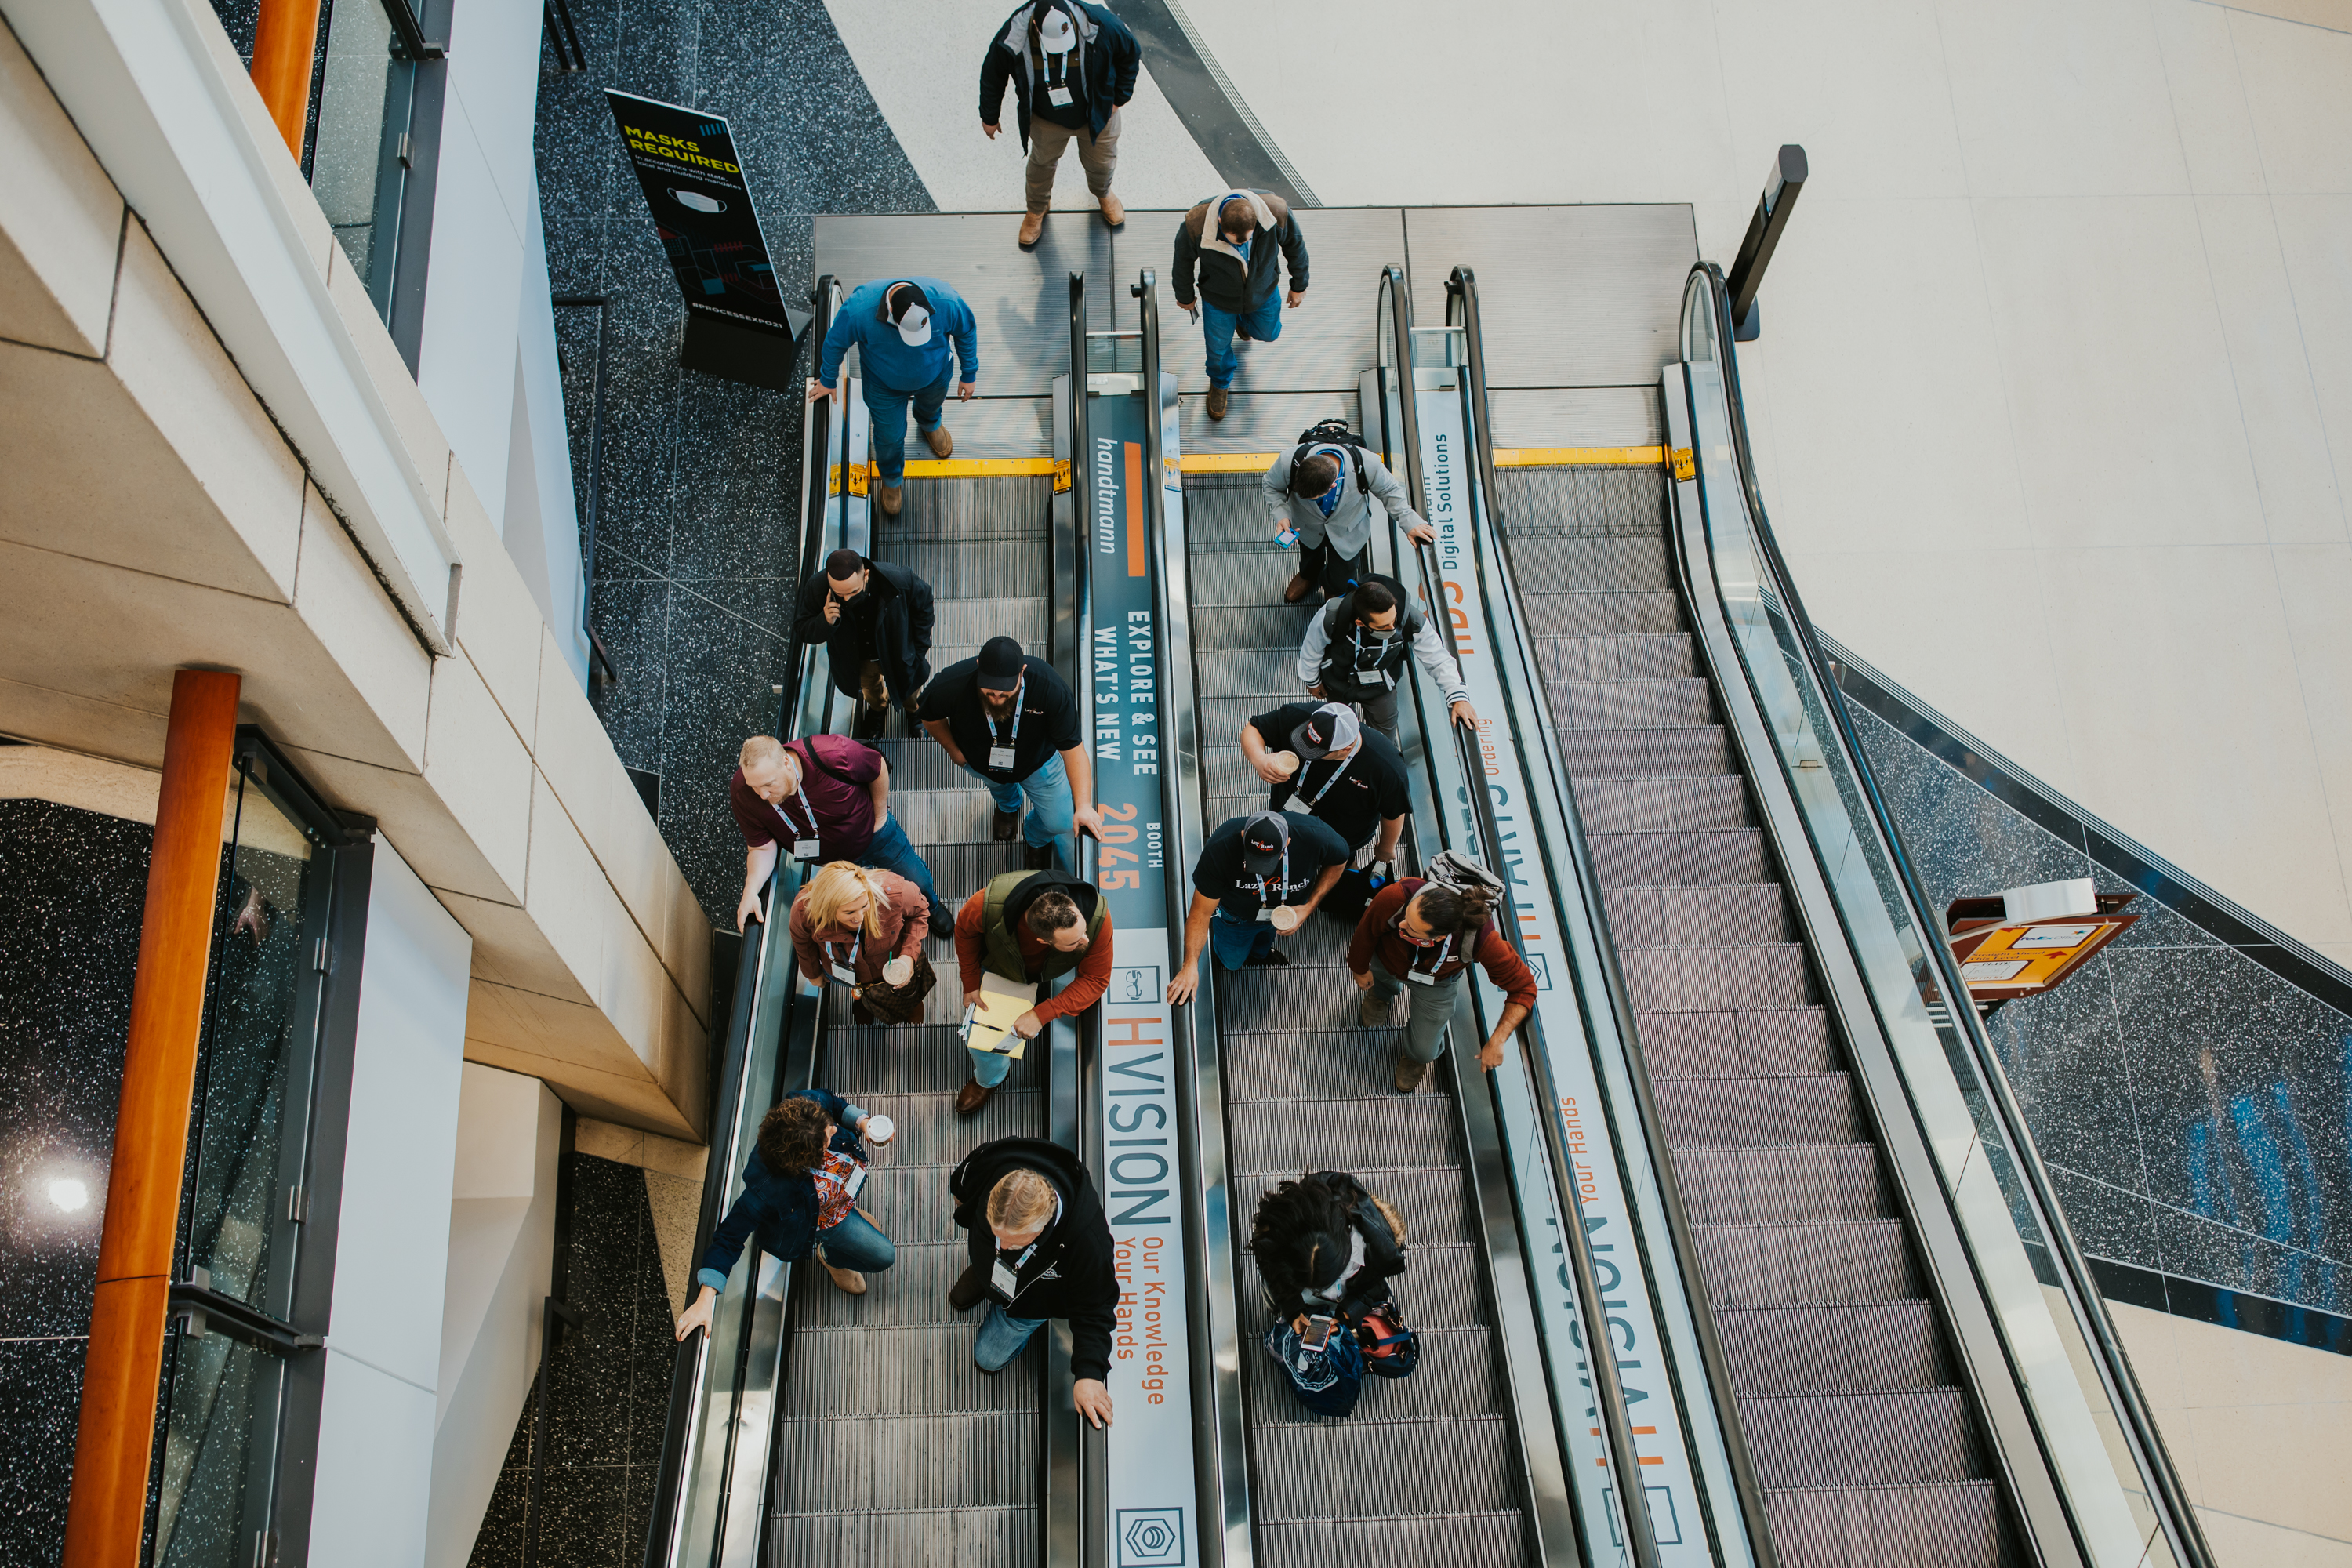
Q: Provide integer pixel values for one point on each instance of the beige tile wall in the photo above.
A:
(2258, 1430)
(154, 516)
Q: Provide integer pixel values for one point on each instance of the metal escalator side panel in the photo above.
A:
(1944, 1147)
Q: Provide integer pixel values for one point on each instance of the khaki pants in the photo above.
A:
(1097, 156)
(872, 689)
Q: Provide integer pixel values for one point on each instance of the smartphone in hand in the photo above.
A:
(1318, 1332)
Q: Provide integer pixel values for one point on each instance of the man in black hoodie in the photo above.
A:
(875, 620)
(1071, 65)
(1040, 1248)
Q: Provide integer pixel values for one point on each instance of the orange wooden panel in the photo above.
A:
(284, 45)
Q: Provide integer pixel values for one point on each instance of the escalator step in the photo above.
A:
(850, 1464)
(1455, 1541)
(995, 506)
(1344, 1134)
(1641, 804)
(1601, 612)
(1361, 1467)
(1861, 1344)
(1261, 621)
(1747, 1040)
(1798, 1183)
(1242, 578)
(980, 569)
(926, 1061)
(1268, 673)
(1670, 917)
(963, 622)
(909, 1371)
(1704, 860)
(930, 1132)
(1631, 704)
(1652, 656)
(1619, 753)
(1342, 1062)
(1623, 562)
(1538, 501)
(913, 1292)
(1943, 1524)
(1889, 1434)
(1779, 1264)
(1759, 975)
(1808, 1108)
(907, 1538)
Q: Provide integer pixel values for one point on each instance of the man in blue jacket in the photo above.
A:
(902, 328)
(800, 1195)
(1071, 65)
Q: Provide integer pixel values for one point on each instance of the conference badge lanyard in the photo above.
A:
(846, 973)
(1428, 976)
(1264, 910)
(805, 843)
(1380, 659)
(1299, 803)
(1057, 86)
(850, 1185)
(1006, 1280)
(999, 752)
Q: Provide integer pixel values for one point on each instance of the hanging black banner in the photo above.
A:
(738, 324)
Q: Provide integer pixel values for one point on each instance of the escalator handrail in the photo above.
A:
(689, 1369)
(1463, 286)
(2152, 1458)
(1600, 1346)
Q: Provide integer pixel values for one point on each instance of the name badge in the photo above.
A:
(1059, 97)
(843, 973)
(1266, 915)
(1294, 802)
(1418, 978)
(1000, 758)
(856, 1180)
(1003, 1281)
(805, 850)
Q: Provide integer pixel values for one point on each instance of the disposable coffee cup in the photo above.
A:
(1285, 920)
(1286, 760)
(878, 1129)
(898, 971)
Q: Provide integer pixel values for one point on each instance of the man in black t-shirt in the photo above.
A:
(1010, 721)
(1322, 762)
(1258, 877)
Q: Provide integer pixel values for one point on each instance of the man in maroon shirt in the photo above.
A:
(821, 798)
(1421, 936)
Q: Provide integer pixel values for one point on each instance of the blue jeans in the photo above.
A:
(1235, 943)
(1051, 805)
(889, 428)
(891, 851)
(1001, 1338)
(855, 1244)
(1262, 324)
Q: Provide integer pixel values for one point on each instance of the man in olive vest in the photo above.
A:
(1028, 927)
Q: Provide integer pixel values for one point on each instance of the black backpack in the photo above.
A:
(1335, 433)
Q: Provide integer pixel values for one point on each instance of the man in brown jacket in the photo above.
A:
(1421, 937)
(1228, 263)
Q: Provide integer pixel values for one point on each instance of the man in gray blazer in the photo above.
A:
(1325, 489)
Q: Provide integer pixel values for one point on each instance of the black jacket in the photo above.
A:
(1384, 1259)
(779, 1207)
(1109, 59)
(1070, 1275)
(900, 617)
(1223, 282)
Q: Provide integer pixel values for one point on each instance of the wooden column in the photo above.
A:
(108, 1507)
(285, 46)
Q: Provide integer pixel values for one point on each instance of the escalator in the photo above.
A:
(1921, 1367)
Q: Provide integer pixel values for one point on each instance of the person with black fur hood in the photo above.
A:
(1072, 65)
(1040, 1249)
(1328, 1253)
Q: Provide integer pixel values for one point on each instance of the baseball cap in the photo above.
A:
(844, 565)
(1000, 664)
(1263, 839)
(910, 309)
(1056, 32)
(1332, 727)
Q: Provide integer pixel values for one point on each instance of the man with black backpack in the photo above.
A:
(1321, 491)
(1328, 1253)
(1421, 935)
(1355, 651)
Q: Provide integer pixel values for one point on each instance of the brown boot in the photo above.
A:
(1408, 1073)
(1114, 210)
(1033, 227)
(941, 443)
(891, 497)
(1374, 1011)
(972, 1096)
(1297, 588)
(1217, 402)
(851, 1281)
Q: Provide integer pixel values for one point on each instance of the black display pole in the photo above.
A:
(737, 323)
(1772, 212)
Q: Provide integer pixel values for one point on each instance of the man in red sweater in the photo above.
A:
(1030, 926)
(1421, 936)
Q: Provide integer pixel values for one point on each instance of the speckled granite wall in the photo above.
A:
(75, 886)
(697, 542)
(2191, 1101)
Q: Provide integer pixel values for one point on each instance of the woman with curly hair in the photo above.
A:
(1326, 1250)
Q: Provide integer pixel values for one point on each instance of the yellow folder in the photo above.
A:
(988, 1026)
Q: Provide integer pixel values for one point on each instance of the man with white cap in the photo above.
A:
(902, 328)
(1322, 762)
(1258, 878)
(1071, 65)
(1228, 244)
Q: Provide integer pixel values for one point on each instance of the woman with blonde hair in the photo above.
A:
(863, 928)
